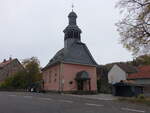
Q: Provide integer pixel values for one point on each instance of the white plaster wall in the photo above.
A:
(116, 74)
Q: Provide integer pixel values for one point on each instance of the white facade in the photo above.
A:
(116, 74)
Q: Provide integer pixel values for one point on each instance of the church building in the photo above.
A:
(72, 68)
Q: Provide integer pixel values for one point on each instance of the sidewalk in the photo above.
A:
(97, 97)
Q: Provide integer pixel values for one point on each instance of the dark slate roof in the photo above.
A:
(78, 53)
(72, 23)
(127, 68)
(72, 27)
(72, 14)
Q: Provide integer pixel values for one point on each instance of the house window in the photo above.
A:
(55, 75)
(71, 82)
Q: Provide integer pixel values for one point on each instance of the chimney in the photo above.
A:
(4, 60)
(10, 58)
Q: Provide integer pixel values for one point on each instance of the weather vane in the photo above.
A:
(72, 6)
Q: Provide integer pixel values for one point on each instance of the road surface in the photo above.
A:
(20, 102)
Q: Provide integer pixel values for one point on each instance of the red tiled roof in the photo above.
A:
(2, 64)
(144, 72)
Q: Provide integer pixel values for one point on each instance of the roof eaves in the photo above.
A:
(48, 66)
(79, 63)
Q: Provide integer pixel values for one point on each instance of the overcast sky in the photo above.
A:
(35, 28)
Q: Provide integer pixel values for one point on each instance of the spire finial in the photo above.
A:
(72, 6)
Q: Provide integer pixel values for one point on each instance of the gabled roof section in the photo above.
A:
(4, 63)
(127, 68)
(144, 72)
(58, 57)
(78, 53)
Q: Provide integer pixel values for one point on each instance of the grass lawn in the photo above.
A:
(139, 100)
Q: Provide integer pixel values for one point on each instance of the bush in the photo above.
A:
(16, 81)
(24, 79)
(141, 96)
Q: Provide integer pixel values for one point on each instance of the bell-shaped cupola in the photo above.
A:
(72, 31)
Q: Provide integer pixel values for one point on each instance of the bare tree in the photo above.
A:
(134, 28)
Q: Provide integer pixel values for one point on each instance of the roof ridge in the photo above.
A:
(127, 68)
(2, 64)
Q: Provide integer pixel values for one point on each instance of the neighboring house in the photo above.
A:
(118, 76)
(142, 77)
(9, 67)
(73, 67)
(119, 72)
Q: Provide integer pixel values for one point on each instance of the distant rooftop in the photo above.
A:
(127, 68)
(5, 62)
(144, 72)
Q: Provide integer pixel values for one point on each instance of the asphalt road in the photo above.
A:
(14, 102)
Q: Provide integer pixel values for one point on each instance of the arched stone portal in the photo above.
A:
(83, 81)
